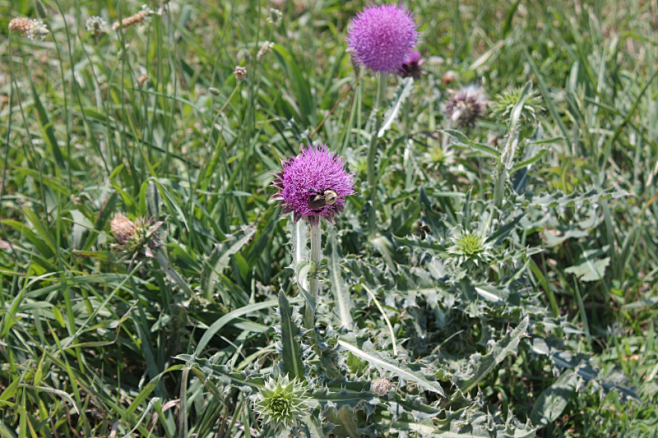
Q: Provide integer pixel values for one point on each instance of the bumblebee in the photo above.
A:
(321, 198)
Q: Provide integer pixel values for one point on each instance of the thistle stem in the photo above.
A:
(314, 280)
(372, 152)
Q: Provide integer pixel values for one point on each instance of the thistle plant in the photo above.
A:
(470, 247)
(466, 106)
(503, 104)
(312, 185)
(282, 403)
(381, 38)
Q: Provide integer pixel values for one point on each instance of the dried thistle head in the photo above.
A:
(33, 29)
(466, 106)
(139, 236)
(240, 73)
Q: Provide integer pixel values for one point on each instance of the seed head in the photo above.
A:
(380, 37)
(264, 49)
(380, 387)
(466, 106)
(142, 80)
(135, 236)
(133, 20)
(95, 25)
(33, 29)
(240, 73)
(274, 16)
(412, 66)
(282, 402)
(314, 172)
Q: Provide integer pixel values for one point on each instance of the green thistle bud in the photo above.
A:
(504, 104)
(282, 402)
(470, 246)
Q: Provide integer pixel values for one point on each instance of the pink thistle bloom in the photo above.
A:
(412, 66)
(380, 37)
(313, 184)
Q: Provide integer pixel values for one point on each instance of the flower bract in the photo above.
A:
(282, 402)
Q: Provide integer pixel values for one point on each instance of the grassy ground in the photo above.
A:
(150, 121)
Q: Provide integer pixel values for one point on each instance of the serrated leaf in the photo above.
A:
(552, 401)
(344, 419)
(500, 351)
(378, 359)
(220, 257)
(396, 104)
(461, 137)
(590, 270)
(291, 349)
(340, 290)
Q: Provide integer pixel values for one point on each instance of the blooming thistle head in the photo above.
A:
(95, 25)
(282, 402)
(412, 66)
(380, 37)
(313, 184)
(141, 235)
(466, 106)
(33, 29)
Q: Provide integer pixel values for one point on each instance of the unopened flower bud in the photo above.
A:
(214, 91)
(380, 387)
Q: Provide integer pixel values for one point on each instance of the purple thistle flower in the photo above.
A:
(380, 36)
(412, 66)
(313, 184)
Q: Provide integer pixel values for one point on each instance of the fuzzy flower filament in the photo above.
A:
(313, 184)
(380, 37)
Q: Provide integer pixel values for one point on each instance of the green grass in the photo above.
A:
(96, 343)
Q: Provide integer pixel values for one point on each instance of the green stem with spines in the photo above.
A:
(314, 280)
(372, 152)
